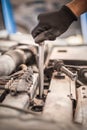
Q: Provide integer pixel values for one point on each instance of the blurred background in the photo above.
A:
(26, 12)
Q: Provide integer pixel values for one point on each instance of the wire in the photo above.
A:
(38, 119)
(17, 109)
(35, 118)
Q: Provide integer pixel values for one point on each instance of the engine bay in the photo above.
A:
(63, 103)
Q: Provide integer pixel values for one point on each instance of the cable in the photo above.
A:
(36, 118)
(17, 109)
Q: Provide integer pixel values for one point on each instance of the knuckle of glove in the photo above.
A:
(39, 29)
(33, 33)
(42, 17)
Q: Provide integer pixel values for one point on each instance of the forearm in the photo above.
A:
(78, 7)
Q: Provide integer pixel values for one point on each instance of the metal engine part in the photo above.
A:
(63, 104)
(13, 58)
(82, 74)
(22, 87)
(80, 113)
(20, 81)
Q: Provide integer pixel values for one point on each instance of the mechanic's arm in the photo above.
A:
(78, 7)
(53, 24)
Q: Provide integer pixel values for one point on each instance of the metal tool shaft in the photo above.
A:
(41, 69)
(69, 73)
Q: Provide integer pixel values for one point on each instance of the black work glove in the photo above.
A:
(53, 24)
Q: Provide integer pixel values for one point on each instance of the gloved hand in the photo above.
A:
(53, 24)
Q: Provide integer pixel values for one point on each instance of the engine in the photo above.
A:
(64, 101)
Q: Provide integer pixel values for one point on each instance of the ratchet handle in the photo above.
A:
(41, 69)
